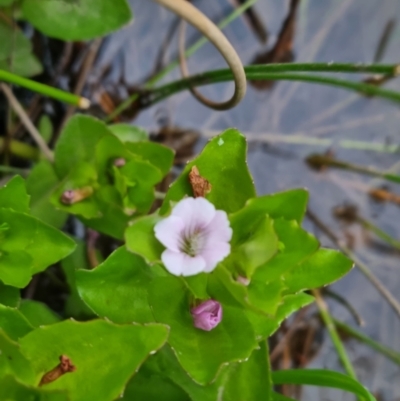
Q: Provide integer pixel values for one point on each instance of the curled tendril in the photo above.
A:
(193, 16)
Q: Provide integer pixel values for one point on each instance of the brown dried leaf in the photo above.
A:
(200, 186)
(63, 367)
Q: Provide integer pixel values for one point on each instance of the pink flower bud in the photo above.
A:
(243, 280)
(120, 162)
(207, 315)
(67, 197)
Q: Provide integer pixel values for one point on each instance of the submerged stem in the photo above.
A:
(330, 325)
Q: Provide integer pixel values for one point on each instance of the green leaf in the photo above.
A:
(151, 386)
(323, 268)
(82, 178)
(159, 155)
(13, 195)
(107, 150)
(79, 137)
(290, 205)
(9, 296)
(13, 362)
(12, 390)
(141, 177)
(196, 349)
(4, 3)
(16, 268)
(45, 128)
(129, 133)
(28, 247)
(165, 364)
(16, 52)
(197, 284)
(253, 243)
(37, 313)
(223, 164)
(113, 221)
(74, 306)
(250, 380)
(222, 286)
(258, 297)
(140, 238)
(76, 20)
(298, 245)
(44, 244)
(117, 289)
(265, 326)
(92, 346)
(265, 297)
(40, 184)
(14, 323)
(321, 378)
(141, 171)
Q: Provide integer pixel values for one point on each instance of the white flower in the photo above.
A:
(196, 237)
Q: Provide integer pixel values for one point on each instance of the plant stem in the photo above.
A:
(259, 74)
(19, 110)
(346, 304)
(386, 69)
(20, 149)
(14, 170)
(45, 90)
(318, 161)
(389, 353)
(392, 301)
(171, 66)
(330, 325)
(379, 233)
(311, 141)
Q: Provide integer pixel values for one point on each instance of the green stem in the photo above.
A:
(389, 353)
(253, 74)
(379, 233)
(14, 170)
(45, 89)
(323, 160)
(171, 66)
(328, 292)
(306, 140)
(20, 149)
(337, 342)
(393, 302)
(265, 72)
(159, 195)
(385, 69)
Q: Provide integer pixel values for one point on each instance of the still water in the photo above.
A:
(330, 30)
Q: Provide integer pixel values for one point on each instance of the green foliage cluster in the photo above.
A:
(139, 314)
(126, 326)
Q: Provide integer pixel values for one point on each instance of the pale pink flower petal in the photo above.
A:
(168, 232)
(180, 264)
(215, 254)
(219, 227)
(194, 212)
(196, 237)
(193, 265)
(207, 315)
(173, 261)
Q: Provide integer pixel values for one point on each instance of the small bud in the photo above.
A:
(63, 367)
(67, 197)
(207, 315)
(72, 196)
(243, 280)
(120, 162)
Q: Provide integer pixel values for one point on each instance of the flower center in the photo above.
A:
(192, 243)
